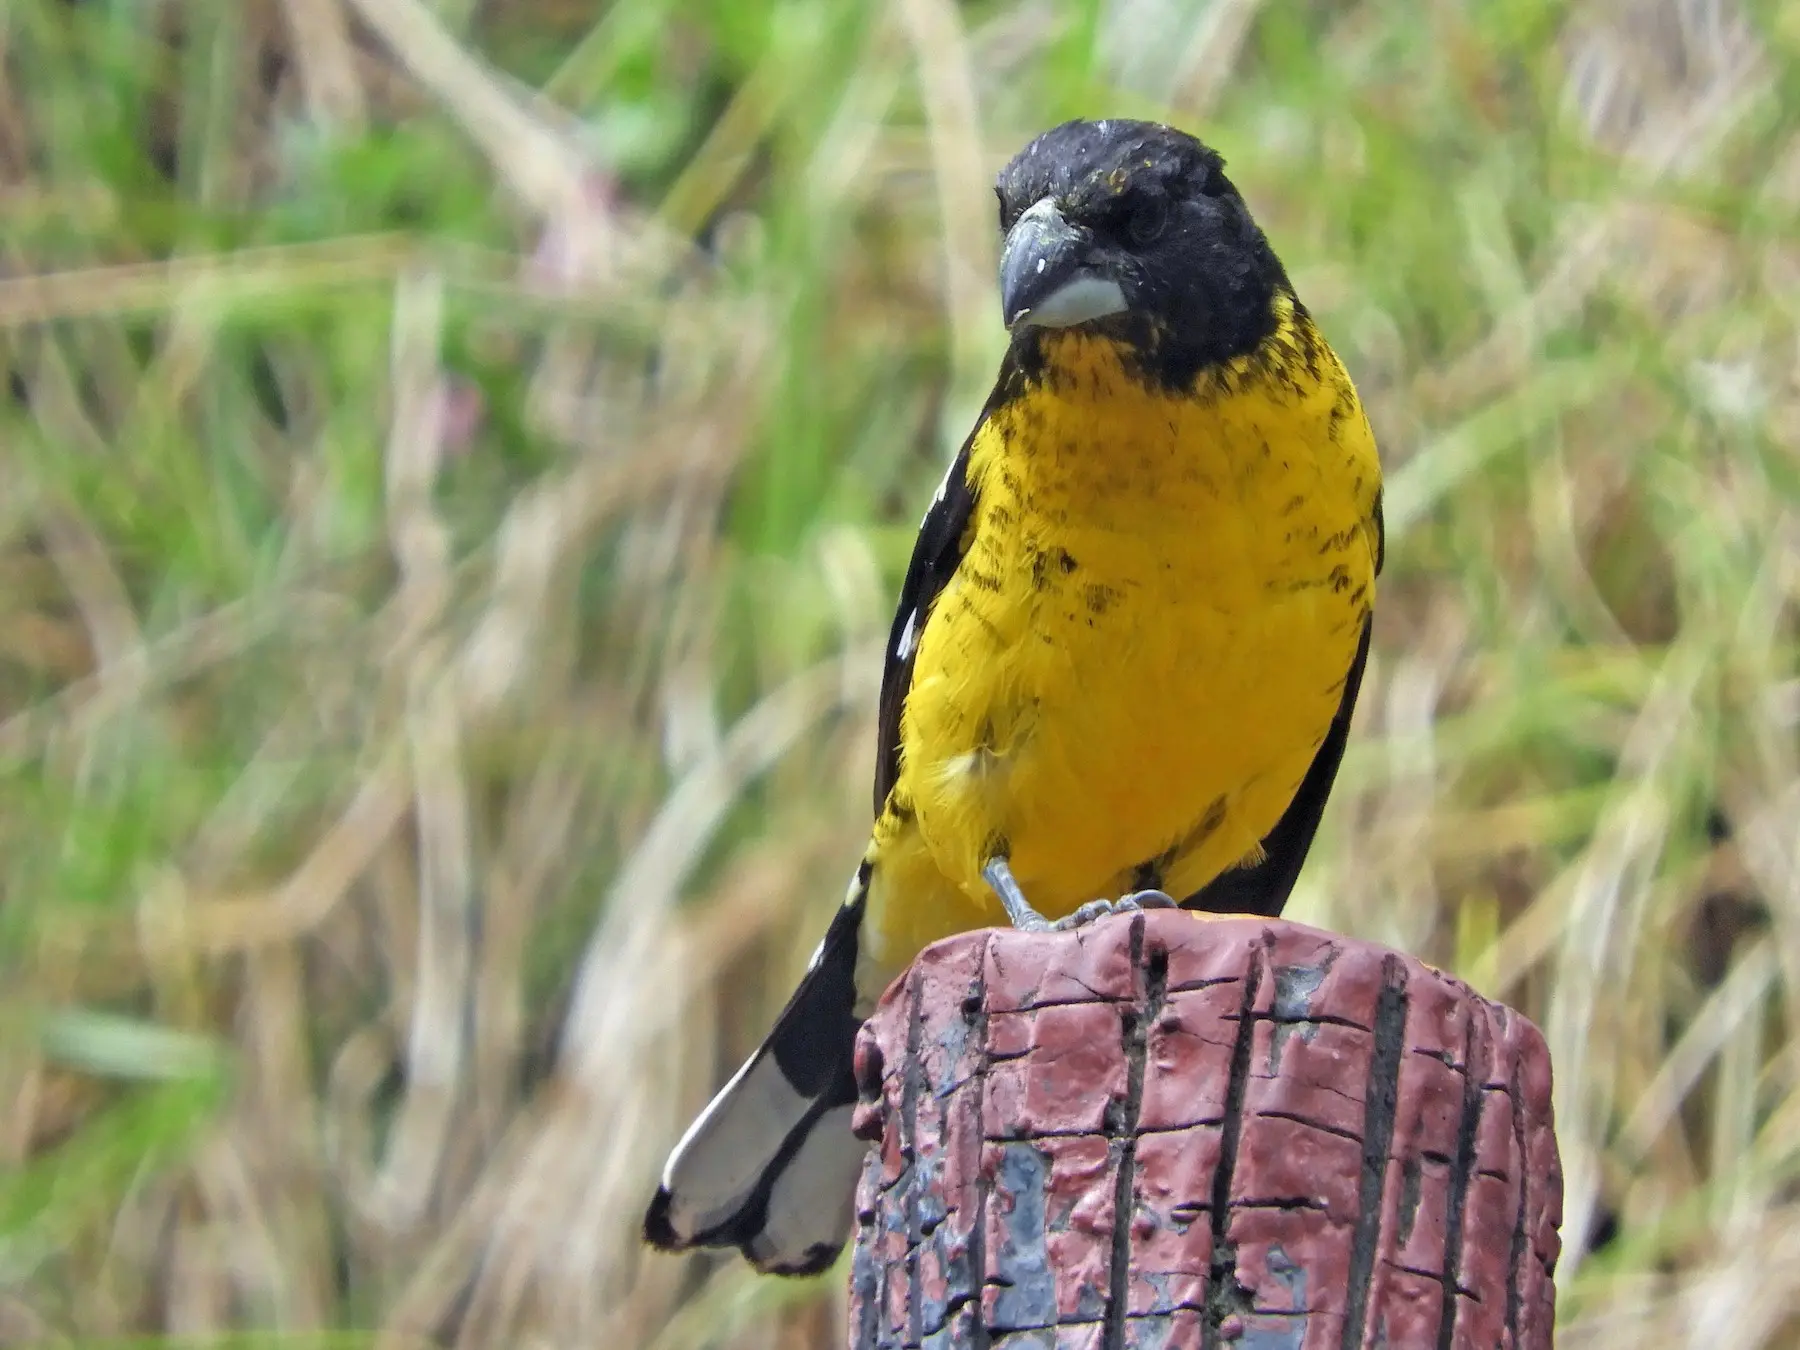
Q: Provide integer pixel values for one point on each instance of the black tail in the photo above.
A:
(770, 1166)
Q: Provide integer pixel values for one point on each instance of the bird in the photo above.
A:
(1126, 652)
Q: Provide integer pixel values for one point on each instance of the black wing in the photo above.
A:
(936, 555)
(1264, 887)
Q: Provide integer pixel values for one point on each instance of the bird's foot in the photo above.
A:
(1125, 904)
(1000, 879)
(998, 875)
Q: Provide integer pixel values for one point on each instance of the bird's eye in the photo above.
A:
(1148, 219)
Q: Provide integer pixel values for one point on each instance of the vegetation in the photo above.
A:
(459, 459)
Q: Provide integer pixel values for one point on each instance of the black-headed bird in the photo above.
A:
(1126, 651)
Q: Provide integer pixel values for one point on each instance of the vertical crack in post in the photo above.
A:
(1380, 1100)
(869, 1277)
(973, 1094)
(913, 1195)
(1152, 979)
(1224, 1295)
(1515, 1266)
(1462, 1171)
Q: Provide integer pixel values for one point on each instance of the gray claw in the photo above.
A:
(1125, 904)
(1148, 900)
(998, 875)
(1086, 914)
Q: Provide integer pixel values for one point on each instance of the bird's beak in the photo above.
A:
(1045, 281)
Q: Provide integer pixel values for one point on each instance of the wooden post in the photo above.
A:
(1320, 1144)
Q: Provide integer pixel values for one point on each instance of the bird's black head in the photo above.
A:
(1132, 229)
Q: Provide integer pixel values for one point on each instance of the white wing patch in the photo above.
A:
(909, 637)
(937, 498)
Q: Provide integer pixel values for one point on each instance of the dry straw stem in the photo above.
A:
(238, 278)
(327, 58)
(447, 533)
(947, 89)
(536, 164)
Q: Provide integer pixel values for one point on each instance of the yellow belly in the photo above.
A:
(1142, 649)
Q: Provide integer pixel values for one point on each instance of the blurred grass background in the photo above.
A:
(459, 457)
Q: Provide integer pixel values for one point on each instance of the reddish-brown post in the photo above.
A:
(1168, 1131)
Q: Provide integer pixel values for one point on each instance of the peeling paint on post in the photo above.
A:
(1024, 1286)
(1166, 1130)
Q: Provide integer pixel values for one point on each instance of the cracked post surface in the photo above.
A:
(1166, 1131)
(1134, 1040)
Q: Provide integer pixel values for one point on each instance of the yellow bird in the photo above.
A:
(1126, 651)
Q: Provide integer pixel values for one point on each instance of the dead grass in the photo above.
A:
(458, 462)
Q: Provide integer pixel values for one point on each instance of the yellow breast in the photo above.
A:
(1147, 637)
